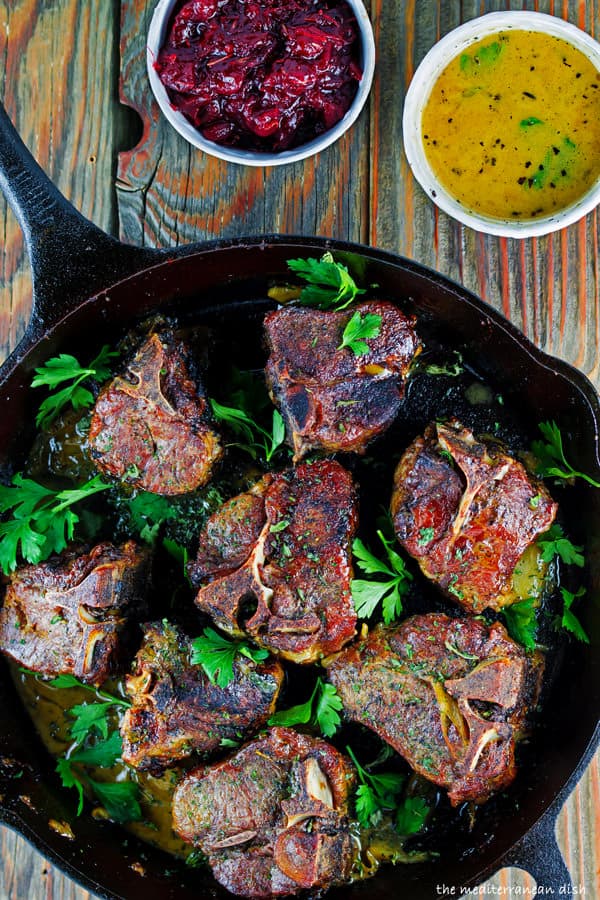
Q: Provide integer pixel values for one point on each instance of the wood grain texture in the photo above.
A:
(58, 68)
(59, 76)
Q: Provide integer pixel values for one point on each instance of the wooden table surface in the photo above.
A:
(63, 65)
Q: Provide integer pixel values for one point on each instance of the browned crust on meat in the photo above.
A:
(331, 399)
(297, 569)
(466, 511)
(273, 818)
(67, 615)
(177, 711)
(150, 426)
(450, 695)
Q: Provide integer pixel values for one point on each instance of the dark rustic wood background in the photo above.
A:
(64, 64)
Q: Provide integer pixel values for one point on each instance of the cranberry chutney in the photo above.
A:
(266, 76)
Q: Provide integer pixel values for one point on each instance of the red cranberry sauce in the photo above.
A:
(262, 76)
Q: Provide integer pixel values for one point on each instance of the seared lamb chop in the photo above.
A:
(150, 426)
(467, 512)
(450, 695)
(278, 562)
(177, 711)
(66, 615)
(331, 398)
(273, 818)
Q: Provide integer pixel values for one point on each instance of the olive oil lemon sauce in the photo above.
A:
(512, 125)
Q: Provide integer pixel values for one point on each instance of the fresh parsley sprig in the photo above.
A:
(551, 456)
(379, 794)
(120, 799)
(375, 794)
(89, 717)
(91, 721)
(521, 617)
(147, 512)
(255, 439)
(66, 368)
(554, 543)
(521, 622)
(330, 284)
(411, 815)
(368, 594)
(216, 654)
(321, 710)
(568, 620)
(41, 519)
(359, 330)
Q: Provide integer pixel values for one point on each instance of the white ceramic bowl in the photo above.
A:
(418, 94)
(156, 36)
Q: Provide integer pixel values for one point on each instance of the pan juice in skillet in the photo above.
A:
(286, 753)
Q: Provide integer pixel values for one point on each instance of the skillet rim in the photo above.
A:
(40, 329)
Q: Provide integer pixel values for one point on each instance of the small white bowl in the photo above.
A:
(156, 37)
(417, 96)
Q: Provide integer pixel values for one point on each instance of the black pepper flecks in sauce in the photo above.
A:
(546, 116)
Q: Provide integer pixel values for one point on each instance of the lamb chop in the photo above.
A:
(67, 615)
(333, 399)
(467, 512)
(150, 427)
(450, 695)
(273, 818)
(275, 562)
(176, 710)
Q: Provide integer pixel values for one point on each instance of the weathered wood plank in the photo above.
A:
(56, 80)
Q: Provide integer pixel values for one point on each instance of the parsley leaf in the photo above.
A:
(120, 799)
(554, 543)
(330, 285)
(327, 710)
(103, 753)
(521, 622)
(569, 620)
(89, 717)
(216, 654)
(366, 804)
(359, 330)
(321, 710)
(257, 441)
(69, 779)
(41, 521)
(147, 512)
(375, 793)
(65, 368)
(551, 457)
(411, 815)
(69, 681)
(369, 594)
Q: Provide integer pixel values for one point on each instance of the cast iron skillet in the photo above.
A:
(87, 286)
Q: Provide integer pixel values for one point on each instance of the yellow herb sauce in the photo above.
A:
(512, 125)
(48, 707)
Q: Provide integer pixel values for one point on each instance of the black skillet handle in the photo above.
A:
(539, 855)
(71, 259)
